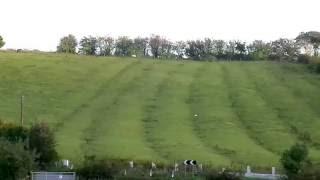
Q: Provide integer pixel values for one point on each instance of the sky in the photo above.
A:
(39, 24)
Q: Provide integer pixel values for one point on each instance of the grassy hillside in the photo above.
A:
(220, 113)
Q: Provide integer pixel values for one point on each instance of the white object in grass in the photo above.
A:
(153, 165)
(131, 164)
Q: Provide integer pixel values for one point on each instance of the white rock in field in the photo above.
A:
(200, 167)
(176, 167)
(273, 171)
(195, 115)
(131, 164)
(153, 165)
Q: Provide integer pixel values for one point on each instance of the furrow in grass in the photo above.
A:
(117, 132)
(168, 123)
(302, 83)
(292, 109)
(216, 123)
(260, 120)
(97, 93)
(50, 88)
(150, 106)
(69, 136)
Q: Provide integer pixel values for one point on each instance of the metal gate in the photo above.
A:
(53, 175)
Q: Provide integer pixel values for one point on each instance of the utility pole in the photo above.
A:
(21, 110)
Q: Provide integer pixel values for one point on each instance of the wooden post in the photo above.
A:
(21, 110)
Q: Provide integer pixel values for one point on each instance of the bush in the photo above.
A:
(303, 58)
(15, 160)
(225, 175)
(314, 67)
(41, 139)
(12, 132)
(294, 159)
(97, 169)
(309, 174)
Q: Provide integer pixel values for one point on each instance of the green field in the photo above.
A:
(247, 112)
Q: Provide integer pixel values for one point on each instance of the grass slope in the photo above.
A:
(247, 112)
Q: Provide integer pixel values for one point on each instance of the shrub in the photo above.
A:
(303, 58)
(41, 139)
(15, 160)
(97, 169)
(12, 132)
(294, 159)
(225, 175)
(309, 174)
(317, 68)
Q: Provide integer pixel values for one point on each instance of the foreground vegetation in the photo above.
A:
(219, 113)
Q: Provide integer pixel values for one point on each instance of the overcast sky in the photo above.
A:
(39, 24)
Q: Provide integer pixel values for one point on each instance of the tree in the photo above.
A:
(284, 49)
(258, 50)
(88, 45)
(240, 49)
(67, 44)
(311, 37)
(165, 48)
(231, 49)
(195, 49)
(2, 43)
(179, 49)
(294, 159)
(155, 44)
(105, 46)
(15, 160)
(219, 48)
(41, 140)
(208, 47)
(124, 46)
(140, 46)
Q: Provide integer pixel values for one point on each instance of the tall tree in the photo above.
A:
(2, 43)
(259, 50)
(284, 49)
(124, 46)
(88, 45)
(219, 48)
(195, 49)
(240, 49)
(166, 48)
(105, 46)
(155, 44)
(208, 47)
(311, 37)
(231, 49)
(140, 46)
(67, 44)
(179, 49)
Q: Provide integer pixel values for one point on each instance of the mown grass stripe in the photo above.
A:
(97, 93)
(259, 119)
(170, 124)
(290, 107)
(117, 132)
(216, 122)
(70, 135)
